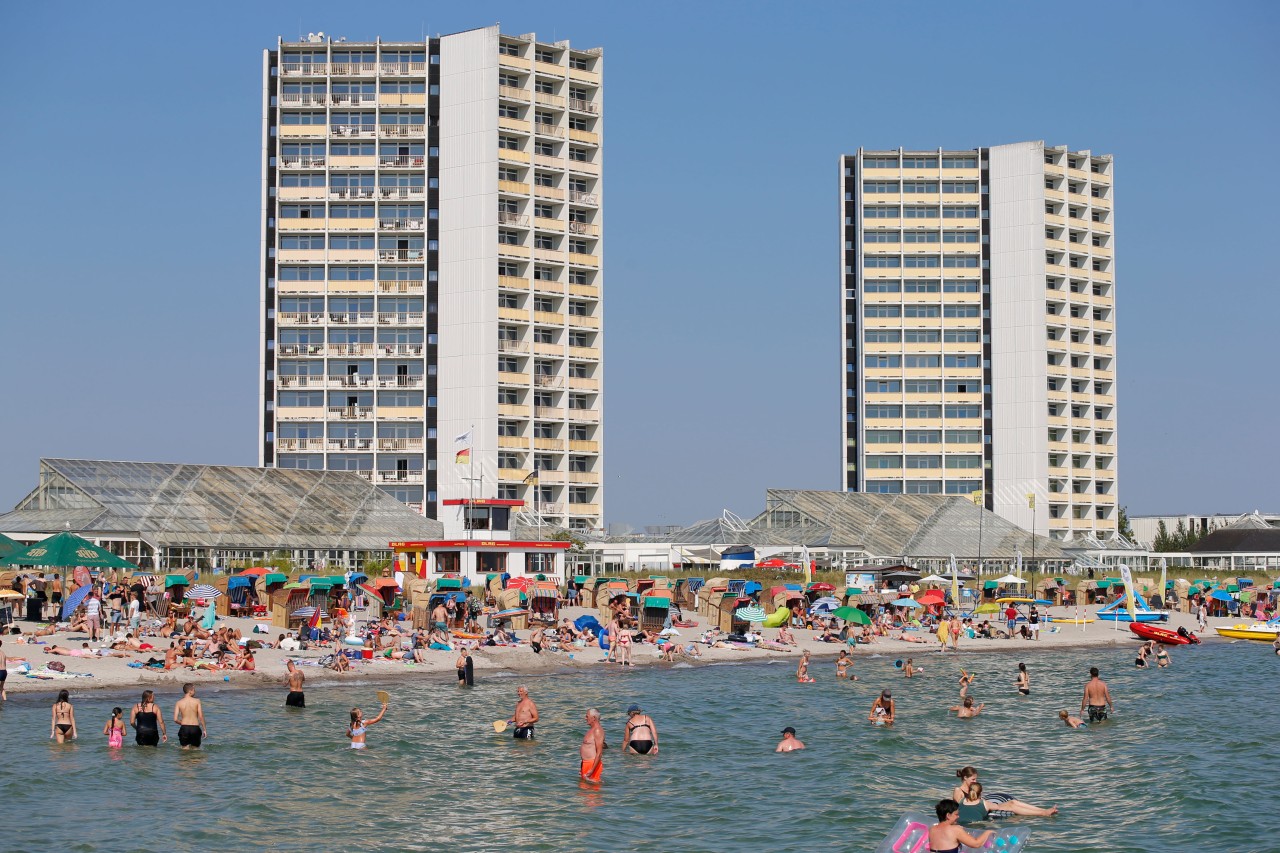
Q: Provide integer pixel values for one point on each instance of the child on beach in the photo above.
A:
(114, 729)
(802, 671)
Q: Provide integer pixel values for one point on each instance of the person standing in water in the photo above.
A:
(466, 669)
(802, 669)
(114, 729)
(883, 711)
(591, 752)
(189, 715)
(525, 716)
(966, 678)
(641, 736)
(789, 742)
(62, 726)
(4, 673)
(148, 721)
(1097, 698)
(359, 726)
(1024, 681)
(295, 698)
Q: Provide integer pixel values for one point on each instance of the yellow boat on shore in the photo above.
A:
(1263, 632)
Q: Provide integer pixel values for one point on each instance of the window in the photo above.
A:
(880, 187)
(919, 187)
(961, 261)
(919, 361)
(914, 310)
(953, 285)
(882, 336)
(924, 436)
(302, 179)
(963, 386)
(881, 310)
(883, 461)
(302, 117)
(302, 211)
(919, 212)
(358, 211)
(508, 49)
(920, 285)
(304, 241)
(884, 487)
(884, 436)
(961, 310)
(964, 212)
(880, 411)
(544, 211)
(350, 273)
(881, 262)
(301, 398)
(909, 162)
(508, 238)
(961, 361)
(920, 237)
(511, 143)
(960, 236)
(881, 286)
(924, 461)
(879, 236)
(921, 412)
(964, 411)
(964, 461)
(962, 487)
(883, 361)
(921, 336)
(964, 436)
(960, 336)
(922, 386)
(351, 241)
(920, 261)
(959, 162)
(959, 186)
(879, 162)
(579, 155)
(881, 211)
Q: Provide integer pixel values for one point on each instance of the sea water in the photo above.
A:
(1188, 762)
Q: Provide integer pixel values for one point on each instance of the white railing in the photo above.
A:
(389, 444)
(512, 346)
(400, 476)
(400, 318)
(582, 197)
(512, 219)
(294, 318)
(351, 192)
(348, 68)
(412, 380)
(301, 349)
(513, 92)
(352, 317)
(582, 228)
(401, 192)
(298, 381)
(399, 286)
(402, 129)
(548, 412)
(303, 98)
(352, 412)
(400, 224)
(350, 443)
(351, 349)
(356, 98)
(400, 349)
(294, 444)
(349, 380)
(547, 381)
(404, 67)
(583, 106)
(356, 130)
(548, 129)
(400, 160)
(305, 69)
(401, 254)
(288, 162)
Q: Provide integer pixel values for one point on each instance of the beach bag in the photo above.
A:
(56, 666)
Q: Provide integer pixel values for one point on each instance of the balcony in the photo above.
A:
(547, 508)
(400, 477)
(348, 413)
(544, 381)
(512, 155)
(518, 315)
(353, 99)
(514, 442)
(401, 380)
(592, 353)
(584, 228)
(584, 509)
(584, 383)
(584, 322)
(543, 285)
(389, 350)
(304, 69)
(513, 187)
(400, 318)
(293, 318)
(548, 413)
(555, 350)
(300, 381)
(400, 413)
(584, 106)
(353, 131)
(512, 218)
(402, 99)
(548, 192)
(301, 349)
(350, 192)
(402, 192)
(585, 478)
(546, 224)
(414, 287)
(392, 255)
(577, 197)
(513, 475)
(293, 445)
(588, 290)
(301, 131)
(352, 69)
(544, 129)
(556, 444)
(403, 69)
(294, 162)
(586, 167)
(511, 250)
(349, 380)
(513, 282)
(582, 446)
(299, 413)
(545, 162)
(394, 131)
(298, 223)
(513, 124)
(400, 224)
(513, 93)
(551, 255)
(549, 318)
(338, 444)
(400, 161)
(302, 193)
(350, 349)
(586, 415)
(350, 318)
(556, 101)
(507, 377)
(594, 138)
(584, 260)
(512, 346)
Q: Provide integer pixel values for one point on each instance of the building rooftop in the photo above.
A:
(216, 506)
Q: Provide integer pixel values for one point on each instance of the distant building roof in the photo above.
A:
(1241, 540)
(216, 506)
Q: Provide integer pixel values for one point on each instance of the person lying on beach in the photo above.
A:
(131, 644)
(1072, 722)
(966, 709)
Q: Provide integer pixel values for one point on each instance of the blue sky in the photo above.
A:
(130, 238)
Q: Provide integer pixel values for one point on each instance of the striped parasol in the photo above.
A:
(750, 614)
(308, 612)
(203, 590)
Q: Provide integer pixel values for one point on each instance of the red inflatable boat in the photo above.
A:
(1147, 631)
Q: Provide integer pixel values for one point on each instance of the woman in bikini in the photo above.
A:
(624, 640)
(359, 725)
(947, 834)
(1024, 681)
(642, 735)
(63, 724)
(802, 670)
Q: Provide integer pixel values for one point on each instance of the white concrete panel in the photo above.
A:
(468, 349)
(1018, 347)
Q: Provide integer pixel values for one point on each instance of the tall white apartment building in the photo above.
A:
(978, 297)
(431, 270)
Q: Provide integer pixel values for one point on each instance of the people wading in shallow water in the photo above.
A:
(641, 735)
(359, 726)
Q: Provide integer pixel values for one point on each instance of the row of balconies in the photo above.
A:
(386, 161)
(522, 410)
(539, 380)
(349, 99)
(549, 69)
(525, 96)
(352, 381)
(367, 349)
(348, 194)
(519, 442)
(385, 318)
(353, 69)
(520, 315)
(352, 131)
(384, 445)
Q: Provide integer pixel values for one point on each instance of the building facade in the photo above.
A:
(431, 269)
(978, 303)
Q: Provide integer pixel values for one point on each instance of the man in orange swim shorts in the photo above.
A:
(592, 750)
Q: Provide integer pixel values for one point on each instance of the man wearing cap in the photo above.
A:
(642, 735)
(882, 710)
(789, 742)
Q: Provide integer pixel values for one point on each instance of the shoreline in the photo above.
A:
(111, 674)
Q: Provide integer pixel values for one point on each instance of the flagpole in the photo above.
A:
(471, 508)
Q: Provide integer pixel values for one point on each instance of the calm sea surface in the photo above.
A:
(1189, 763)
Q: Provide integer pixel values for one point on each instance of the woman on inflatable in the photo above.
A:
(947, 834)
(975, 809)
(997, 805)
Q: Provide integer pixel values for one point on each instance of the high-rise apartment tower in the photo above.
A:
(431, 275)
(978, 296)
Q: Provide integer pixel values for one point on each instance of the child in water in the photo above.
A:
(802, 671)
(1072, 722)
(114, 729)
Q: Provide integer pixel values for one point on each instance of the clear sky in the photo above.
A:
(130, 236)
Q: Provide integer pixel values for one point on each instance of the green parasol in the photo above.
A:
(851, 614)
(8, 546)
(987, 608)
(66, 550)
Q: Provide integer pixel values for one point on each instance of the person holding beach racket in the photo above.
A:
(360, 726)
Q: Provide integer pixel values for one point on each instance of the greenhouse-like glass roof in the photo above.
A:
(216, 506)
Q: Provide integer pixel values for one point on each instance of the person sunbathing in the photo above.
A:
(245, 662)
(131, 644)
(785, 636)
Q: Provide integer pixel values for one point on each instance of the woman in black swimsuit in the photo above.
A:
(642, 735)
(148, 722)
(63, 724)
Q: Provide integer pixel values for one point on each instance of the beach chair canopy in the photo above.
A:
(176, 580)
(449, 583)
(656, 602)
(274, 577)
(239, 582)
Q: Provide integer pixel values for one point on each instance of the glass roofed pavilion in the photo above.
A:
(162, 515)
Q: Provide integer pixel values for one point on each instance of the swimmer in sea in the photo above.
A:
(1024, 681)
(359, 726)
(967, 709)
(966, 678)
(1162, 657)
(883, 711)
(1096, 698)
(641, 736)
(843, 664)
(947, 834)
(969, 790)
(789, 742)
(802, 670)
(1072, 722)
(909, 670)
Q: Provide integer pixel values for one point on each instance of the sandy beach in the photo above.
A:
(115, 674)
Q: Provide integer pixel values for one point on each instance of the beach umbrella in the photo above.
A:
(750, 614)
(258, 571)
(932, 595)
(64, 550)
(988, 607)
(826, 603)
(308, 612)
(1220, 595)
(11, 593)
(933, 579)
(73, 600)
(1010, 579)
(852, 614)
(203, 590)
(906, 602)
(8, 546)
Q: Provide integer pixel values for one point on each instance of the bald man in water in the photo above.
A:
(592, 750)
